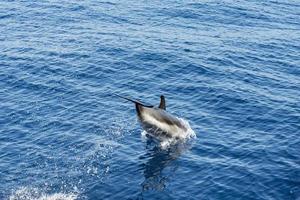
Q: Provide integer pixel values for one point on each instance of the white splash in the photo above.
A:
(185, 136)
(26, 193)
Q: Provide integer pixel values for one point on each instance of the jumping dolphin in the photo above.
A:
(157, 122)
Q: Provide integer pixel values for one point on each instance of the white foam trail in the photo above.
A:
(26, 193)
(189, 133)
(185, 136)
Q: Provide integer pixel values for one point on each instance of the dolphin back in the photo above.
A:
(162, 116)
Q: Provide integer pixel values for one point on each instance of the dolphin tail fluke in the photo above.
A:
(138, 109)
(137, 103)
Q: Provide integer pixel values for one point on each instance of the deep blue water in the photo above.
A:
(230, 68)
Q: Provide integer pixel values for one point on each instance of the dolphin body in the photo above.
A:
(157, 122)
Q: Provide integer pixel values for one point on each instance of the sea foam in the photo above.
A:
(27, 193)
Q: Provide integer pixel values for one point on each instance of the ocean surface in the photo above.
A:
(230, 69)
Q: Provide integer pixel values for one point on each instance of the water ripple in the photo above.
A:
(230, 68)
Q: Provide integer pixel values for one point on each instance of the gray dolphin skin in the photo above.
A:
(157, 122)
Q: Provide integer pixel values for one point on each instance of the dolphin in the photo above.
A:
(157, 122)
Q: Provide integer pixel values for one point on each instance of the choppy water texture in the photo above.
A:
(230, 68)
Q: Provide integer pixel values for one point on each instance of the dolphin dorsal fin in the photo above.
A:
(162, 104)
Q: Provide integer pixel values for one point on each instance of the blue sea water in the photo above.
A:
(229, 68)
